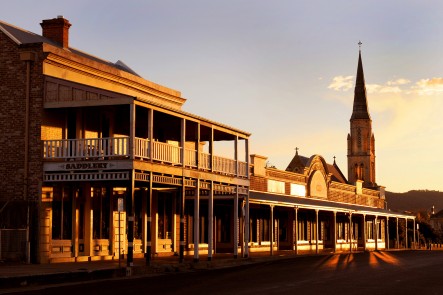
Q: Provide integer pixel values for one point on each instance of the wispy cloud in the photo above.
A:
(428, 86)
(341, 83)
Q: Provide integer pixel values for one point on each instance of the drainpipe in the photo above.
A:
(28, 57)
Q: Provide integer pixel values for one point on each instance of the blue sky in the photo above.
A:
(282, 70)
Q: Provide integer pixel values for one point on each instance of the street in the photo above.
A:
(402, 272)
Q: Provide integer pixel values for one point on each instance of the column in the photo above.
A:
(376, 232)
(130, 217)
(236, 223)
(398, 242)
(246, 252)
(271, 232)
(211, 149)
(211, 221)
(406, 233)
(296, 231)
(236, 155)
(196, 221)
(387, 232)
(149, 223)
(413, 229)
(151, 134)
(316, 231)
(132, 130)
(182, 221)
(334, 234)
(182, 142)
(75, 222)
(364, 232)
(88, 248)
(144, 196)
(350, 232)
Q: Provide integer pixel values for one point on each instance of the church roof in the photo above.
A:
(299, 163)
(21, 36)
(360, 108)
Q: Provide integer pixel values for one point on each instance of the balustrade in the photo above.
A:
(118, 147)
(87, 148)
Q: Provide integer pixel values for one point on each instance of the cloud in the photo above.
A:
(376, 88)
(428, 86)
(400, 81)
(341, 83)
(344, 83)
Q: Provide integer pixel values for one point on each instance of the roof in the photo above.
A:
(310, 203)
(298, 163)
(360, 108)
(21, 36)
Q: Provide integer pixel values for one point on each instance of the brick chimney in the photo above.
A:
(57, 29)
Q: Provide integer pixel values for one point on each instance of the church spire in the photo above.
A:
(360, 109)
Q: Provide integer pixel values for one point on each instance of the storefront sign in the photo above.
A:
(86, 166)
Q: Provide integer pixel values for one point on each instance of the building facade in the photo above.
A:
(98, 161)
(312, 207)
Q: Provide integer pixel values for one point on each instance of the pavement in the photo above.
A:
(16, 277)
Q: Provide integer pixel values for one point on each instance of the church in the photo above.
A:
(312, 207)
(98, 163)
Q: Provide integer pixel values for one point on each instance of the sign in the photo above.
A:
(86, 166)
(120, 204)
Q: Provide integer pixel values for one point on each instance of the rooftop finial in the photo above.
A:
(296, 150)
(359, 45)
(334, 159)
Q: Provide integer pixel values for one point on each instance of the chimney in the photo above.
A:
(57, 29)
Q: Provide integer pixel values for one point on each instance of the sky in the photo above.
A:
(282, 70)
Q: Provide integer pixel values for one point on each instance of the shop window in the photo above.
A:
(62, 214)
(264, 230)
(101, 212)
(164, 216)
(302, 230)
(370, 230)
(138, 214)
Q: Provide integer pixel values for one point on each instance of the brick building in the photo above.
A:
(106, 161)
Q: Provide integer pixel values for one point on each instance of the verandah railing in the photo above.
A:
(115, 147)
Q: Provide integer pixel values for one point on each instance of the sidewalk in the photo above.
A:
(14, 276)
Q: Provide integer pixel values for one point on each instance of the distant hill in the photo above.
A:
(416, 200)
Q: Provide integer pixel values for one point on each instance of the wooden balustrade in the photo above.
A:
(117, 147)
(86, 148)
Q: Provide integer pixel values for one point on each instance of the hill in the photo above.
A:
(415, 200)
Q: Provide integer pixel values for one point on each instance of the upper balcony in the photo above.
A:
(113, 148)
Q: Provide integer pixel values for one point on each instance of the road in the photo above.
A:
(402, 272)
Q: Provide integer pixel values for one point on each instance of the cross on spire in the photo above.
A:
(359, 44)
(296, 150)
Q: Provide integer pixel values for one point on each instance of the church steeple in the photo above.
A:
(361, 140)
(360, 109)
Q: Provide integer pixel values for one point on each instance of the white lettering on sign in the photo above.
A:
(85, 166)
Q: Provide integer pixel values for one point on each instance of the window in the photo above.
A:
(275, 186)
(298, 190)
(370, 230)
(101, 211)
(62, 214)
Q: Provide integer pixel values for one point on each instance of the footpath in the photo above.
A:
(16, 277)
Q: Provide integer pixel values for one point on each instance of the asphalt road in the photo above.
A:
(402, 272)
